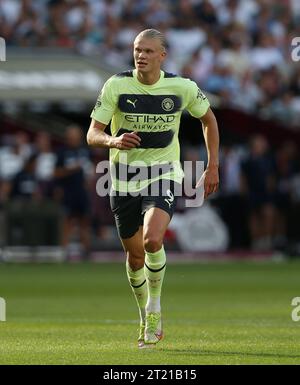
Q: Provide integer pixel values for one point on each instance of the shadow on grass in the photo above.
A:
(216, 353)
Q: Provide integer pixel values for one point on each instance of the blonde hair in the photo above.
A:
(154, 34)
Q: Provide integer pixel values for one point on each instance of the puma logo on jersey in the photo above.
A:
(131, 102)
(170, 198)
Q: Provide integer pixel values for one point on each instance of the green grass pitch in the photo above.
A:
(222, 313)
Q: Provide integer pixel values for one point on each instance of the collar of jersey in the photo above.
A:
(162, 74)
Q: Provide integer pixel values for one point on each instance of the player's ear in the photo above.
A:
(163, 55)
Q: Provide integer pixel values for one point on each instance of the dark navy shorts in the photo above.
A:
(129, 210)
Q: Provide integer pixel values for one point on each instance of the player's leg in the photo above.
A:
(135, 272)
(128, 218)
(158, 208)
(156, 222)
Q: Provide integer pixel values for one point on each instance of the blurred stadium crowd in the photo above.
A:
(49, 194)
(237, 49)
(259, 197)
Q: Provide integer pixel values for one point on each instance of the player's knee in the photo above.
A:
(152, 243)
(136, 261)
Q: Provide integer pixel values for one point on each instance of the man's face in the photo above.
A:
(148, 54)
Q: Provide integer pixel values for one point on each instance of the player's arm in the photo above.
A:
(211, 137)
(198, 106)
(96, 137)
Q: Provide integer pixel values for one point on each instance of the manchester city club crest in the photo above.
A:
(167, 104)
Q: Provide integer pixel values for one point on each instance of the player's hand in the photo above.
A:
(210, 179)
(127, 141)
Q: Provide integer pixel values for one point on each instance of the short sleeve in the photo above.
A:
(198, 103)
(105, 105)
